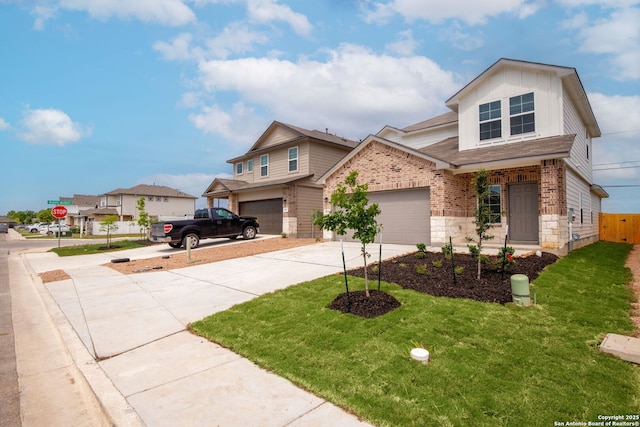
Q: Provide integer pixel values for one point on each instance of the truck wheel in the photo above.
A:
(195, 240)
(175, 245)
(249, 232)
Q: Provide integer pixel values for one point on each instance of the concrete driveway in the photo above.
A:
(127, 334)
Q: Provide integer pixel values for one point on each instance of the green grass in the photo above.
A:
(492, 364)
(94, 248)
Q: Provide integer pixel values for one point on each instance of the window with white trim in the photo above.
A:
(264, 165)
(521, 114)
(293, 159)
(490, 120)
(239, 168)
(249, 165)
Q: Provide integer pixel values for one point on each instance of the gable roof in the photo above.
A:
(568, 76)
(531, 150)
(440, 164)
(299, 134)
(151, 190)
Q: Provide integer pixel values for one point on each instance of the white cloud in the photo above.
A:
(50, 126)
(354, 92)
(266, 11)
(472, 12)
(235, 38)
(405, 45)
(619, 37)
(4, 124)
(167, 12)
(179, 49)
(43, 14)
(463, 40)
(240, 125)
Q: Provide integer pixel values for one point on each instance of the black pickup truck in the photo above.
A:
(206, 223)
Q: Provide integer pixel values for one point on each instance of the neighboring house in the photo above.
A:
(79, 203)
(8, 221)
(159, 201)
(529, 125)
(275, 180)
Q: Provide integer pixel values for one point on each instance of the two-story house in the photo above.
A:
(275, 180)
(160, 201)
(529, 125)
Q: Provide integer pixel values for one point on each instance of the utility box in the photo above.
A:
(520, 290)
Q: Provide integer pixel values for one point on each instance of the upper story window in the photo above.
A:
(522, 118)
(264, 165)
(103, 201)
(150, 198)
(119, 200)
(293, 159)
(490, 120)
(250, 166)
(166, 199)
(239, 168)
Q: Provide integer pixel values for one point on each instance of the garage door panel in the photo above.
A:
(268, 212)
(404, 216)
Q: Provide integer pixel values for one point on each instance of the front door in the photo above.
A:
(523, 212)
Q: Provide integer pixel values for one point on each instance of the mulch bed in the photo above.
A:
(493, 286)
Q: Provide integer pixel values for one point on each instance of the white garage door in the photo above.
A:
(404, 215)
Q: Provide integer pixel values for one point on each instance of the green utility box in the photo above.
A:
(62, 234)
(520, 290)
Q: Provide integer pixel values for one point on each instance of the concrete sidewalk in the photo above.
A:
(127, 336)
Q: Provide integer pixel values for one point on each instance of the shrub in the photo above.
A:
(421, 269)
(437, 264)
(458, 270)
(447, 250)
(420, 255)
(473, 251)
(421, 247)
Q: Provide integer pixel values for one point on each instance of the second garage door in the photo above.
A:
(268, 212)
(404, 215)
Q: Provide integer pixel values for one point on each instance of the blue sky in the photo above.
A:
(97, 95)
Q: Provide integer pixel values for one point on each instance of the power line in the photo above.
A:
(616, 163)
(621, 167)
(620, 186)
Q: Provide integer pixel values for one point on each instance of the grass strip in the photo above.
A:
(95, 248)
(492, 364)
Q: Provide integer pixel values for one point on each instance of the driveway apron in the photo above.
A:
(134, 326)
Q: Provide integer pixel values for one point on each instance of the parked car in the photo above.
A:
(54, 229)
(4, 228)
(206, 223)
(35, 228)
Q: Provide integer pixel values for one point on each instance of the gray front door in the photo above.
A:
(523, 212)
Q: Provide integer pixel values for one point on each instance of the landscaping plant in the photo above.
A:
(353, 212)
(483, 217)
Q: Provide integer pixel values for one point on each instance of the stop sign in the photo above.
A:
(59, 212)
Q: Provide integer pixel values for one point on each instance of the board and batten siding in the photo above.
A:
(502, 85)
(579, 197)
(582, 150)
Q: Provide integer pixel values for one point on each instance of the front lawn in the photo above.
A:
(491, 365)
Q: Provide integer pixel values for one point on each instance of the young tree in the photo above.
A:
(45, 215)
(352, 213)
(109, 225)
(144, 222)
(483, 217)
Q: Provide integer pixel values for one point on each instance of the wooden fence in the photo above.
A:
(623, 228)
